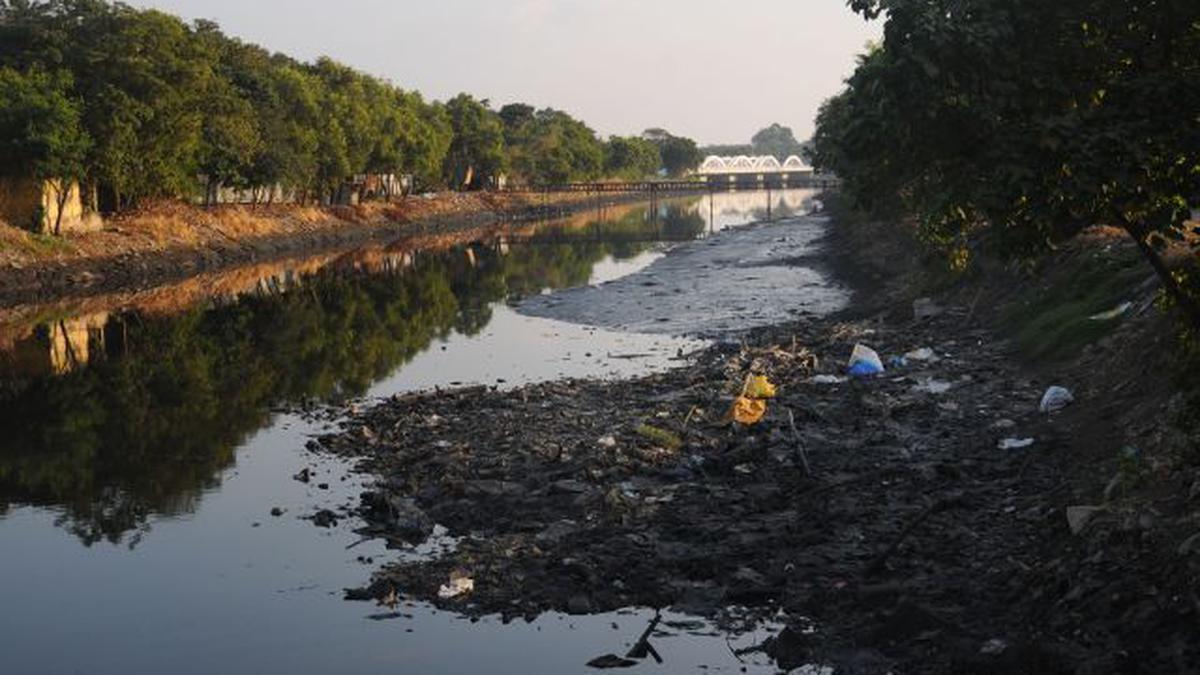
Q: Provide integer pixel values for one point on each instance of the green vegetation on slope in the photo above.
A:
(1028, 119)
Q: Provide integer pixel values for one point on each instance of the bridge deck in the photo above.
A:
(681, 186)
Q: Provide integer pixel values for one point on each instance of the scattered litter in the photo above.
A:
(607, 441)
(1015, 443)
(758, 386)
(932, 386)
(864, 362)
(751, 406)
(1056, 399)
(994, 647)
(897, 362)
(829, 379)
(925, 308)
(922, 354)
(1078, 517)
(748, 410)
(1115, 313)
(1004, 424)
(667, 439)
(460, 583)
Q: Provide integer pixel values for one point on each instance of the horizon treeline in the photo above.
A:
(137, 104)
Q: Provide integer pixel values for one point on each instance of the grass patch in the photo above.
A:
(1053, 320)
(46, 244)
(31, 244)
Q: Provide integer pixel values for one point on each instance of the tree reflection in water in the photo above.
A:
(114, 417)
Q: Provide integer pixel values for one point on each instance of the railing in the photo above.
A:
(681, 186)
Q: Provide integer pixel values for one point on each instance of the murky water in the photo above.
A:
(144, 449)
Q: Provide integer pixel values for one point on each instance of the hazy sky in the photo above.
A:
(714, 70)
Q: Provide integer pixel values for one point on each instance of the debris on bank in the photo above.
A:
(876, 505)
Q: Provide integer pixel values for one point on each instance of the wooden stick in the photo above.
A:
(799, 444)
(643, 647)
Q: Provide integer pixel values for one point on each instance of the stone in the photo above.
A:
(994, 647)
(925, 308)
(579, 604)
(1078, 517)
(1190, 545)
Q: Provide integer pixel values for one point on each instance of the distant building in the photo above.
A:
(33, 204)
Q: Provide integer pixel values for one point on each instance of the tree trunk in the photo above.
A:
(61, 199)
(1186, 302)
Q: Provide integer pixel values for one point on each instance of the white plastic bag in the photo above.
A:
(1056, 399)
(865, 361)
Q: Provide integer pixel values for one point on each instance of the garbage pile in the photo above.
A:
(772, 474)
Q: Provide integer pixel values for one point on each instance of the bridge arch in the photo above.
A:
(794, 162)
(768, 163)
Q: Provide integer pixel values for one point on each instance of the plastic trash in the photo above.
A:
(925, 308)
(460, 584)
(758, 386)
(1056, 399)
(829, 379)
(666, 439)
(751, 406)
(748, 410)
(897, 362)
(1115, 313)
(865, 362)
(922, 354)
(1015, 443)
(932, 386)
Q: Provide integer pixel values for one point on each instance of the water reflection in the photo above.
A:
(124, 407)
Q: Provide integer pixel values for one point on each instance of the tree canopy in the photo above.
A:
(138, 104)
(776, 140)
(1033, 120)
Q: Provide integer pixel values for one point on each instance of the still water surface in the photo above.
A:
(146, 440)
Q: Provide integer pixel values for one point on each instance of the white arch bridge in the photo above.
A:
(744, 169)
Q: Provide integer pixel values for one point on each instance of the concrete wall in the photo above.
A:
(19, 201)
(32, 204)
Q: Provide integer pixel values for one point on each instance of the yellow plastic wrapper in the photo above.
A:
(748, 410)
(758, 386)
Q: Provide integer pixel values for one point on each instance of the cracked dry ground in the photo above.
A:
(913, 546)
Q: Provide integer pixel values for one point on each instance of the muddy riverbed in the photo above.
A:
(148, 505)
(924, 520)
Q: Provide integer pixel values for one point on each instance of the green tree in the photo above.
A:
(477, 149)
(40, 132)
(631, 157)
(557, 148)
(1032, 119)
(776, 140)
(679, 155)
(143, 78)
(230, 134)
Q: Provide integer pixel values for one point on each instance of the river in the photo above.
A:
(150, 435)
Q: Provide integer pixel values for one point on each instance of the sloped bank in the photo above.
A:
(171, 241)
(913, 543)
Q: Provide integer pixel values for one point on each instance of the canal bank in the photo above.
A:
(152, 505)
(168, 242)
(929, 520)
